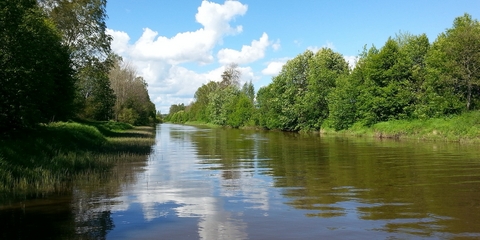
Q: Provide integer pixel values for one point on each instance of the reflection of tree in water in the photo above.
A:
(82, 213)
(96, 226)
(50, 219)
(228, 150)
(405, 185)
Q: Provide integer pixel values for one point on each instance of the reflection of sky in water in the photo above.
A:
(183, 196)
(175, 186)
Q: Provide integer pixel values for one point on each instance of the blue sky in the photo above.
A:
(179, 45)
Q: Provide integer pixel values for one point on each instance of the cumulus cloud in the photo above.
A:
(274, 67)
(214, 18)
(120, 41)
(276, 46)
(326, 45)
(158, 58)
(248, 54)
(351, 60)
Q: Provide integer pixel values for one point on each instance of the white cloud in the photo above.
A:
(248, 54)
(326, 45)
(276, 46)
(215, 17)
(120, 41)
(351, 60)
(158, 58)
(273, 68)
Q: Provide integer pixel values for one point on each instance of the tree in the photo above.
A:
(324, 68)
(249, 91)
(132, 102)
(199, 108)
(231, 75)
(456, 55)
(384, 84)
(83, 29)
(297, 97)
(176, 108)
(35, 87)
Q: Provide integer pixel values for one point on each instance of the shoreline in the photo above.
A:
(48, 158)
(462, 128)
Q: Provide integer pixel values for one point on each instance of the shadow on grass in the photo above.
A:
(50, 155)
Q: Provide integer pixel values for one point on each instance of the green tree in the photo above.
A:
(342, 103)
(239, 111)
(268, 107)
(131, 93)
(35, 87)
(83, 29)
(325, 67)
(199, 107)
(249, 91)
(176, 108)
(456, 59)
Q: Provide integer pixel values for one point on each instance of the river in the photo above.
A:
(203, 183)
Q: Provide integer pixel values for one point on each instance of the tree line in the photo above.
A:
(56, 64)
(407, 78)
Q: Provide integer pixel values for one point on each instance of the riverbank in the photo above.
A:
(463, 128)
(48, 157)
(458, 128)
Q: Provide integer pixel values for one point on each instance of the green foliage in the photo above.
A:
(297, 98)
(132, 102)
(463, 127)
(455, 65)
(342, 104)
(406, 79)
(95, 98)
(176, 108)
(239, 111)
(82, 27)
(249, 91)
(36, 87)
(48, 157)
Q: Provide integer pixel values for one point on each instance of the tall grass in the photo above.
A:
(458, 128)
(49, 157)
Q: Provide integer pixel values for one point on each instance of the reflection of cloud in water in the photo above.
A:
(250, 189)
(173, 176)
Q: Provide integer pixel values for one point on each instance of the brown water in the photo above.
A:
(203, 183)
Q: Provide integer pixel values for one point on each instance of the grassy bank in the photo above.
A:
(459, 128)
(47, 158)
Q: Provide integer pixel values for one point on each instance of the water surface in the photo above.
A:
(201, 183)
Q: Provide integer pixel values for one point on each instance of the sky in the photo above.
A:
(178, 45)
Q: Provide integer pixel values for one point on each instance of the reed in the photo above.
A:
(48, 158)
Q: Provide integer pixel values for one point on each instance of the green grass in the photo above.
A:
(49, 157)
(198, 123)
(460, 128)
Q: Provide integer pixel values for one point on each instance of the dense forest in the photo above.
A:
(406, 79)
(56, 64)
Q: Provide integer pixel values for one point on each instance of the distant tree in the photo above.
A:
(230, 76)
(132, 102)
(285, 93)
(249, 91)
(176, 108)
(199, 108)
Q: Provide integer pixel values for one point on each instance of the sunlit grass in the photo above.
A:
(48, 158)
(460, 128)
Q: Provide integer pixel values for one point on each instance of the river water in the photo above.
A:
(202, 183)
